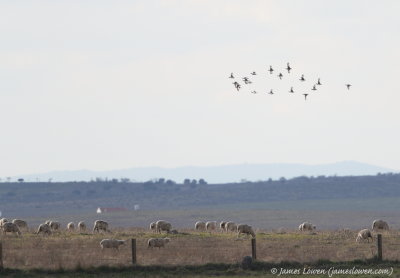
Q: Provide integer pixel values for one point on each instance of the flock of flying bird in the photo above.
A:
(247, 81)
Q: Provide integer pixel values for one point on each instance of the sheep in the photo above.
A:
(157, 242)
(364, 234)
(200, 226)
(100, 225)
(44, 228)
(111, 243)
(230, 226)
(54, 225)
(162, 225)
(20, 223)
(306, 226)
(81, 226)
(245, 229)
(380, 225)
(222, 225)
(9, 227)
(71, 226)
(152, 226)
(2, 221)
(211, 225)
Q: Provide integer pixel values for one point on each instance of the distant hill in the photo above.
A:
(217, 174)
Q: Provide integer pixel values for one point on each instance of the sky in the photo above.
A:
(105, 85)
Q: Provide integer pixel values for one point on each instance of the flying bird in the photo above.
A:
(305, 96)
(280, 75)
(271, 70)
(348, 86)
(237, 85)
(253, 73)
(254, 92)
(302, 78)
(246, 80)
(314, 88)
(288, 68)
(291, 90)
(271, 92)
(231, 75)
(319, 82)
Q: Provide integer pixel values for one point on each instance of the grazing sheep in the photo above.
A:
(111, 243)
(157, 242)
(230, 226)
(55, 226)
(20, 223)
(211, 226)
(245, 229)
(200, 226)
(100, 225)
(81, 226)
(222, 225)
(162, 225)
(44, 228)
(306, 226)
(364, 235)
(380, 225)
(9, 227)
(153, 226)
(2, 221)
(71, 226)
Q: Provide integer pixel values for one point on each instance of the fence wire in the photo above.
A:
(66, 251)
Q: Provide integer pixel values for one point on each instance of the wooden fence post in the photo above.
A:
(133, 245)
(1, 255)
(379, 245)
(253, 249)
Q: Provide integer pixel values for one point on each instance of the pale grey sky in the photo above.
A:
(117, 84)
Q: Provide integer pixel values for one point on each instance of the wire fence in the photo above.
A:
(193, 249)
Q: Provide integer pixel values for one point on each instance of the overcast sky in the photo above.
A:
(106, 85)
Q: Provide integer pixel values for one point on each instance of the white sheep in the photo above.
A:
(230, 226)
(20, 223)
(211, 226)
(2, 221)
(380, 225)
(200, 226)
(100, 225)
(71, 227)
(364, 234)
(81, 226)
(153, 226)
(157, 242)
(9, 227)
(162, 225)
(306, 226)
(222, 225)
(245, 229)
(44, 228)
(111, 243)
(54, 225)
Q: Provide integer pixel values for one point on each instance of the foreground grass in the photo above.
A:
(70, 251)
(258, 269)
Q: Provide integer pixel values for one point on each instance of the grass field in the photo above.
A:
(258, 269)
(65, 253)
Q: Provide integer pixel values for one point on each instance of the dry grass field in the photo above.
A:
(74, 250)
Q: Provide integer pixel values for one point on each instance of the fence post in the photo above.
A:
(1, 255)
(133, 245)
(253, 249)
(379, 245)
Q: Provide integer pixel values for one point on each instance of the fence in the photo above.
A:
(85, 252)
